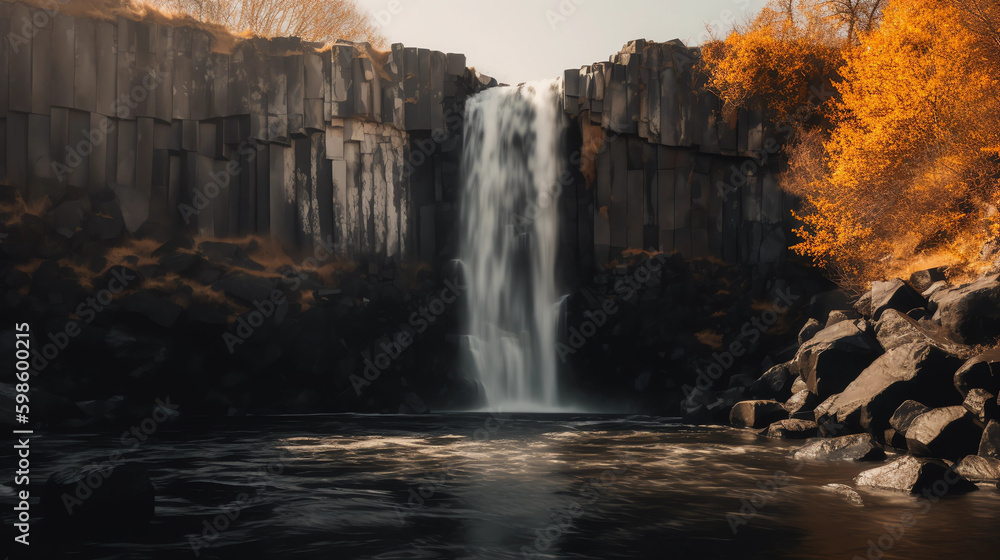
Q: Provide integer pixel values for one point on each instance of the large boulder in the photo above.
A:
(979, 469)
(981, 372)
(809, 330)
(895, 329)
(922, 280)
(834, 357)
(905, 415)
(916, 475)
(793, 429)
(911, 372)
(756, 414)
(949, 433)
(839, 316)
(983, 406)
(775, 384)
(894, 294)
(802, 405)
(989, 444)
(971, 311)
(99, 497)
(857, 447)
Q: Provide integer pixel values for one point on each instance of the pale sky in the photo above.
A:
(523, 40)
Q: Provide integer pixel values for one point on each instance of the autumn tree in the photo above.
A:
(910, 167)
(313, 20)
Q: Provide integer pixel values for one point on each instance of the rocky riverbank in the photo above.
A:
(911, 369)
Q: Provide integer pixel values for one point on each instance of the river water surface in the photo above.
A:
(519, 486)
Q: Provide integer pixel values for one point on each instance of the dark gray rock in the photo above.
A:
(905, 415)
(924, 279)
(895, 329)
(413, 404)
(989, 445)
(892, 438)
(802, 405)
(979, 469)
(775, 384)
(839, 316)
(157, 309)
(834, 357)
(915, 371)
(864, 305)
(981, 372)
(179, 263)
(894, 294)
(949, 433)
(857, 447)
(228, 253)
(793, 429)
(915, 475)
(756, 414)
(100, 496)
(246, 288)
(971, 311)
(809, 330)
(983, 406)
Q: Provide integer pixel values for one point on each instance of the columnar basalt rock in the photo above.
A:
(189, 132)
(672, 173)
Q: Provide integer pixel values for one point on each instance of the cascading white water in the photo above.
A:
(509, 240)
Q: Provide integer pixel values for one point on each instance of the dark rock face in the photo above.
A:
(915, 371)
(834, 357)
(858, 447)
(915, 475)
(905, 415)
(793, 429)
(756, 414)
(802, 404)
(979, 469)
(809, 330)
(895, 294)
(949, 433)
(92, 497)
(895, 329)
(924, 279)
(972, 311)
(983, 406)
(989, 445)
(980, 372)
(775, 384)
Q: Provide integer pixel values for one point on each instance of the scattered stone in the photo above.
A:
(949, 433)
(835, 357)
(971, 311)
(914, 371)
(916, 475)
(983, 406)
(905, 415)
(931, 291)
(864, 305)
(895, 329)
(979, 469)
(894, 294)
(775, 384)
(793, 429)
(857, 447)
(155, 308)
(839, 316)
(924, 279)
(809, 330)
(989, 444)
(802, 405)
(846, 492)
(756, 414)
(980, 373)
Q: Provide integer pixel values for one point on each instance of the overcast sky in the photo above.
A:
(523, 40)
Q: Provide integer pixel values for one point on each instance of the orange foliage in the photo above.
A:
(911, 164)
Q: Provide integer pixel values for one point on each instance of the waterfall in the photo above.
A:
(509, 238)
